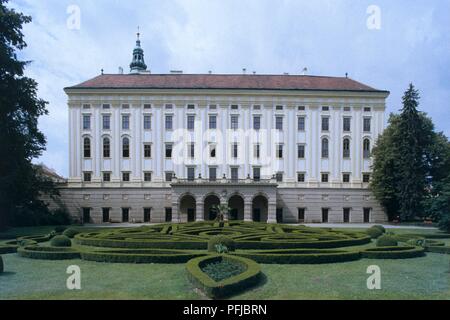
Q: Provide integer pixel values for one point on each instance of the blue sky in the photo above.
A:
(328, 37)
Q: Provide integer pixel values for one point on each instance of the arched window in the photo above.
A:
(106, 148)
(126, 148)
(324, 148)
(346, 148)
(366, 148)
(87, 147)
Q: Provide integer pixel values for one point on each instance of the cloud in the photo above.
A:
(329, 37)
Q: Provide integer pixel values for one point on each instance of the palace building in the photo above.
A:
(275, 148)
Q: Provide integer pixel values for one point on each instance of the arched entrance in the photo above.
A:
(260, 207)
(188, 208)
(236, 204)
(210, 201)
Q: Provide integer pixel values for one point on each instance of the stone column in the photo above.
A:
(248, 210)
(199, 215)
(175, 213)
(272, 213)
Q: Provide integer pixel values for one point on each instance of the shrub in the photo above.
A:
(70, 233)
(221, 240)
(393, 253)
(374, 233)
(8, 249)
(379, 226)
(61, 241)
(60, 229)
(386, 241)
(48, 253)
(1, 264)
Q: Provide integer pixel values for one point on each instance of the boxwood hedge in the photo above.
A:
(1, 264)
(48, 253)
(438, 249)
(227, 287)
(5, 249)
(393, 252)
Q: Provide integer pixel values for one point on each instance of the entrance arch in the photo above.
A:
(236, 204)
(210, 201)
(260, 206)
(188, 208)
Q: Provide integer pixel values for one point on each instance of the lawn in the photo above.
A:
(420, 278)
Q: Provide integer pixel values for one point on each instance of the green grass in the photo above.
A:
(420, 278)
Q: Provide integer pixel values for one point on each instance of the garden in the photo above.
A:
(221, 260)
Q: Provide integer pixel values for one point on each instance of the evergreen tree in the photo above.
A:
(20, 138)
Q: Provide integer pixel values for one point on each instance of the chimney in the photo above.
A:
(304, 71)
(244, 71)
(120, 70)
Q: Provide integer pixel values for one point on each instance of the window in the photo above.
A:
(191, 150)
(234, 174)
(86, 215)
(366, 177)
(168, 214)
(279, 123)
(301, 151)
(147, 176)
(324, 177)
(301, 177)
(257, 107)
(279, 176)
(169, 106)
(234, 150)
(125, 176)
(126, 148)
(366, 124)
(345, 177)
(106, 148)
(325, 108)
(346, 148)
(106, 122)
(346, 124)
(367, 109)
(256, 122)
(106, 106)
(147, 122)
(279, 215)
(212, 174)
(86, 106)
(125, 122)
(213, 122)
(346, 213)
(279, 151)
(106, 177)
(86, 122)
(301, 108)
(147, 150)
(168, 150)
(325, 124)
(87, 177)
(191, 173)
(324, 215)
(279, 108)
(234, 107)
(347, 109)
(213, 107)
(147, 106)
(105, 215)
(190, 122)
(125, 214)
(366, 148)
(147, 214)
(125, 106)
(257, 151)
(87, 147)
(301, 214)
(366, 213)
(191, 106)
(169, 122)
(325, 148)
(301, 123)
(169, 176)
(256, 173)
(234, 122)
(212, 150)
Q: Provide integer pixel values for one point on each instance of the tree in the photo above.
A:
(408, 158)
(222, 211)
(437, 204)
(20, 139)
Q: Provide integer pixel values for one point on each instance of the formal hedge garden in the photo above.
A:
(222, 259)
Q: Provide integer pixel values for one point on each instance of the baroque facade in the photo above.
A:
(167, 147)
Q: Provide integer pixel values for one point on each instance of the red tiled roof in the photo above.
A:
(216, 81)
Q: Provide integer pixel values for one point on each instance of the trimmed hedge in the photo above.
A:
(38, 238)
(227, 287)
(393, 253)
(141, 256)
(380, 227)
(70, 233)
(374, 232)
(1, 264)
(48, 253)
(61, 241)
(221, 240)
(299, 256)
(8, 249)
(386, 241)
(438, 249)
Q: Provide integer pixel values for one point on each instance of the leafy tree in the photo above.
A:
(408, 158)
(437, 204)
(20, 139)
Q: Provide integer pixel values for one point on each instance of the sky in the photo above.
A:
(384, 44)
